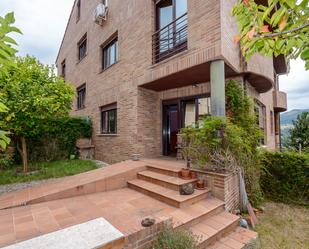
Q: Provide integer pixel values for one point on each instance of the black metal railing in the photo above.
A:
(171, 39)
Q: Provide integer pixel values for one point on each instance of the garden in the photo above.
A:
(37, 135)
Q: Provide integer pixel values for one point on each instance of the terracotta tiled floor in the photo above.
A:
(123, 208)
(65, 184)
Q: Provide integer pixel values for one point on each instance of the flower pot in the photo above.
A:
(200, 184)
(185, 174)
(193, 175)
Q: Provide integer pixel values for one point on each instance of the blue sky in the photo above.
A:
(43, 24)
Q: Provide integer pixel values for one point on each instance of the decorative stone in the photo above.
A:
(136, 157)
(148, 222)
(187, 189)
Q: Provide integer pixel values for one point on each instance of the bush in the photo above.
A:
(229, 144)
(175, 239)
(59, 139)
(285, 177)
(6, 160)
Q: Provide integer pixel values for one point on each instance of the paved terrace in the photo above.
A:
(81, 198)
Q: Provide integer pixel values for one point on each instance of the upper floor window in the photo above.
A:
(63, 69)
(110, 53)
(260, 111)
(81, 96)
(109, 119)
(272, 126)
(78, 10)
(171, 25)
(82, 47)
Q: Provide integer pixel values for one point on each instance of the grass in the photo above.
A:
(47, 170)
(284, 227)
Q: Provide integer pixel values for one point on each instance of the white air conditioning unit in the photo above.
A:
(100, 13)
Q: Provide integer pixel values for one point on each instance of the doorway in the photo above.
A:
(170, 128)
(179, 113)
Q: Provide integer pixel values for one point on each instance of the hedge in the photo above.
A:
(285, 177)
(59, 139)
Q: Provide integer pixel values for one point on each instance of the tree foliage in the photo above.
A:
(7, 52)
(299, 134)
(278, 27)
(33, 94)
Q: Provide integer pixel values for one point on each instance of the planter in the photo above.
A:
(200, 184)
(185, 174)
(193, 175)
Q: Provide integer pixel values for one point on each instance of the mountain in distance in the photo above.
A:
(287, 118)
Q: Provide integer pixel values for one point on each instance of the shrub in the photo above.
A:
(6, 160)
(286, 177)
(59, 139)
(175, 239)
(231, 143)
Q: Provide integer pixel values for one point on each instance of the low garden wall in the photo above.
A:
(223, 186)
(142, 239)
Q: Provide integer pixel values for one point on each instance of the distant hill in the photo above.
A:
(288, 117)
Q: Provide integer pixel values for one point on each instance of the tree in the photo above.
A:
(7, 52)
(299, 134)
(279, 27)
(33, 94)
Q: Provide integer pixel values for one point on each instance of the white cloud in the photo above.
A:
(296, 84)
(42, 22)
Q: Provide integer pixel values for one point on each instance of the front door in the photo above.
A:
(170, 128)
(181, 113)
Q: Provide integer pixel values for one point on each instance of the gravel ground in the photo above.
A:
(18, 186)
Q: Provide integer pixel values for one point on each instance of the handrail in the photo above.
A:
(170, 39)
(185, 14)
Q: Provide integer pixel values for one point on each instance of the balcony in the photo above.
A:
(170, 40)
(280, 101)
(280, 64)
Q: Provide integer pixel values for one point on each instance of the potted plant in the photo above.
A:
(200, 184)
(185, 172)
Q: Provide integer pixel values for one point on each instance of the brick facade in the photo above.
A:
(139, 119)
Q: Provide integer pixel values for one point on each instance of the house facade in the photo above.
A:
(154, 66)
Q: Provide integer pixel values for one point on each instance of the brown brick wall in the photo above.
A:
(210, 34)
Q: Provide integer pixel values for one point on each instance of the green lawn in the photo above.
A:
(48, 170)
(283, 227)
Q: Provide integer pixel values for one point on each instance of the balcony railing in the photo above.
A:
(171, 39)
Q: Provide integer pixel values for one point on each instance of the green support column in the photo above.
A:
(217, 82)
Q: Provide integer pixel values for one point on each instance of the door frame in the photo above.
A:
(180, 108)
(165, 105)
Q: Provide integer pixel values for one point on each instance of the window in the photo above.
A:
(195, 110)
(81, 97)
(260, 111)
(63, 68)
(78, 10)
(272, 127)
(109, 119)
(171, 28)
(82, 47)
(110, 54)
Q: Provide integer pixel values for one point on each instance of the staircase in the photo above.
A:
(200, 213)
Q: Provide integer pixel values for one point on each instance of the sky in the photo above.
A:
(43, 24)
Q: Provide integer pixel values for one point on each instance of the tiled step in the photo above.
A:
(214, 228)
(166, 195)
(238, 239)
(163, 180)
(165, 170)
(189, 216)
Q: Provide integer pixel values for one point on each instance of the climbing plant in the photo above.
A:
(229, 143)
